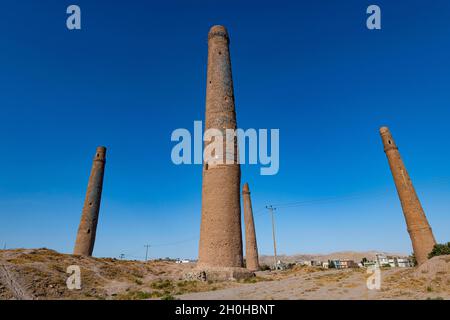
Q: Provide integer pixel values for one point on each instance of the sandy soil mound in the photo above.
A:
(435, 267)
(41, 274)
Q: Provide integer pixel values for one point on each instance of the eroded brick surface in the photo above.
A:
(417, 224)
(220, 232)
(84, 244)
(251, 247)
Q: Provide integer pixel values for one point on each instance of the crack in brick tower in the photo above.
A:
(220, 231)
(251, 247)
(417, 224)
(84, 244)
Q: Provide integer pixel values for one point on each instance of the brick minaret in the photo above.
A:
(84, 244)
(251, 247)
(220, 233)
(419, 230)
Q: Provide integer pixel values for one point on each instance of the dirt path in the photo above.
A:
(9, 281)
(322, 285)
(331, 284)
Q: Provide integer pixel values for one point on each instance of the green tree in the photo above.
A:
(439, 250)
(331, 264)
(413, 259)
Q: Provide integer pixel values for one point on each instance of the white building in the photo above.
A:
(369, 263)
(403, 262)
(394, 262)
(182, 261)
(382, 260)
(305, 263)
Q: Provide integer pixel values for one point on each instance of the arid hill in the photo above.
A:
(41, 274)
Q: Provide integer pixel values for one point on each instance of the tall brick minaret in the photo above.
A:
(417, 224)
(251, 247)
(84, 244)
(220, 233)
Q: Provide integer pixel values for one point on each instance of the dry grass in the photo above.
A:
(42, 273)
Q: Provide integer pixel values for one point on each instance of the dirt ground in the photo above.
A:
(334, 284)
(41, 274)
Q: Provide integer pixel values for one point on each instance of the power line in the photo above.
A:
(434, 181)
(260, 212)
(330, 199)
(327, 199)
(175, 243)
(134, 255)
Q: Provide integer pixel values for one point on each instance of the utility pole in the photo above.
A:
(146, 251)
(271, 210)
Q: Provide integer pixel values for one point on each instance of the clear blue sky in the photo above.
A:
(136, 71)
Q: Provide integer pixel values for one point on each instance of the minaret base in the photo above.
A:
(219, 274)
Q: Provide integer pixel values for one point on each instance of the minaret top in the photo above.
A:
(388, 141)
(100, 154)
(246, 189)
(384, 130)
(218, 31)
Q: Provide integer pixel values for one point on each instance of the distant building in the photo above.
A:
(382, 260)
(368, 263)
(182, 261)
(331, 264)
(347, 263)
(311, 263)
(281, 265)
(403, 262)
(316, 263)
(392, 261)
(336, 263)
(343, 263)
(325, 265)
(305, 263)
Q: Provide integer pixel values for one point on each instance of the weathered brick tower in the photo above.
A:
(417, 224)
(251, 247)
(84, 245)
(220, 249)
